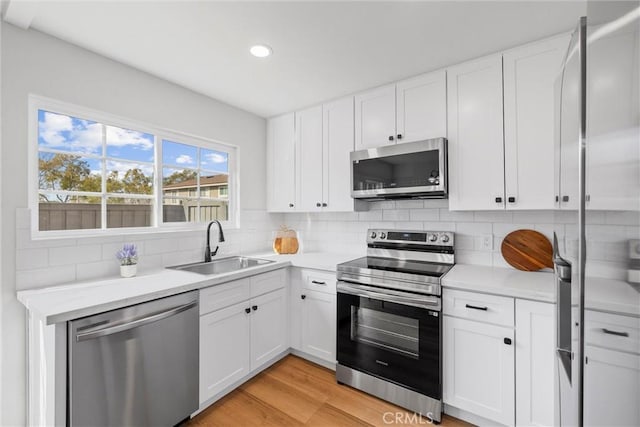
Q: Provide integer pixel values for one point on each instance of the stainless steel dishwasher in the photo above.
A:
(135, 366)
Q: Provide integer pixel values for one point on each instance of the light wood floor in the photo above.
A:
(295, 392)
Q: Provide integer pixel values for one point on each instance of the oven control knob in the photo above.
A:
(373, 234)
(433, 237)
(444, 238)
(383, 235)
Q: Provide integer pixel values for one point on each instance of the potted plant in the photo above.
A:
(128, 257)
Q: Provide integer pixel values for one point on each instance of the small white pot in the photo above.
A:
(128, 270)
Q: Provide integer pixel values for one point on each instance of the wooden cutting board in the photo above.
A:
(527, 250)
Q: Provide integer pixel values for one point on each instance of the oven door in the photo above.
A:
(383, 336)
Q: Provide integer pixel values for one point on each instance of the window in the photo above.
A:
(191, 179)
(97, 173)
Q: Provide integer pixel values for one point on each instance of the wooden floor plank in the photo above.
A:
(296, 392)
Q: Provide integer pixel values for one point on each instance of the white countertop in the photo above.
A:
(316, 260)
(536, 286)
(61, 303)
(614, 296)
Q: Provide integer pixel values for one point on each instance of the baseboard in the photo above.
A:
(469, 417)
(314, 359)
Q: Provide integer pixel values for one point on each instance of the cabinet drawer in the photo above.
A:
(320, 281)
(612, 331)
(267, 282)
(220, 296)
(481, 307)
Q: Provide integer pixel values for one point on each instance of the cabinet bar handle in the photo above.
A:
(565, 198)
(512, 199)
(247, 310)
(255, 307)
(390, 137)
(318, 283)
(303, 296)
(318, 204)
(399, 136)
(475, 307)
(616, 333)
(498, 199)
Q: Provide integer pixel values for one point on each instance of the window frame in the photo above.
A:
(36, 103)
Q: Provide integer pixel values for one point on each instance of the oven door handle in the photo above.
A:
(415, 300)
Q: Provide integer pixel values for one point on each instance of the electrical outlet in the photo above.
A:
(487, 242)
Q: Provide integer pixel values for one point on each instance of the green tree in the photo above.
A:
(62, 172)
(180, 176)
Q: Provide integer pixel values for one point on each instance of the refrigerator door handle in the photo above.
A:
(562, 269)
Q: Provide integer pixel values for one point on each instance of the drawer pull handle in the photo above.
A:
(475, 307)
(316, 282)
(507, 341)
(254, 308)
(616, 333)
(247, 310)
(303, 296)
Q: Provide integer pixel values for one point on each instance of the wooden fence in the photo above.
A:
(80, 216)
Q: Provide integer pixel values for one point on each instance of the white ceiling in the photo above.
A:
(322, 50)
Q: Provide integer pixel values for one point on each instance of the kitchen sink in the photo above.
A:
(222, 265)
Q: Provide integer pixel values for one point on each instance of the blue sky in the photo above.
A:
(66, 133)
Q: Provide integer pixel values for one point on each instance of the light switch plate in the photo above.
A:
(487, 242)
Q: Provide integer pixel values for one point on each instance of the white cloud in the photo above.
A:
(216, 158)
(123, 167)
(119, 137)
(67, 133)
(184, 159)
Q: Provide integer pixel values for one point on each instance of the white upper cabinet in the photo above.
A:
(411, 110)
(281, 164)
(476, 158)
(613, 149)
(309, 159)
(529, 76)
(421, 107)
(375, 117)
(337, 144)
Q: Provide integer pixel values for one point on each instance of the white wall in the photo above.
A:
(1, 287)
(33, 62)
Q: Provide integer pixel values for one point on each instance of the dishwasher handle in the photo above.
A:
(120, 327)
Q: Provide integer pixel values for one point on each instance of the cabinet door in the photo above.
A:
(375, 113)
(530, 73)
(476, 161)
(613, 120)
(268, 327)
(281, 164)
(421, 107)
(338, 134)
(535, 363)
(224, 349)
(319, 324)
(479, 369)
(611, 388)
(309, 159)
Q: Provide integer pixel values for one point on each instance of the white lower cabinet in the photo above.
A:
(240, 338)
(535, 363)
(319, 324)
(611, 388)
(499, 358)
(479, 368)
(313, 313)
(224, 349)
(268, 327)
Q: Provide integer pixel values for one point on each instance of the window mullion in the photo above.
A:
(103, 201)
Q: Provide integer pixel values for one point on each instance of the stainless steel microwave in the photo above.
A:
(407, 170)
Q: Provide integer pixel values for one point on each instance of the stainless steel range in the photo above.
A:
(388, 318)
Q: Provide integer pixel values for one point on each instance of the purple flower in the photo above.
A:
(128, 255)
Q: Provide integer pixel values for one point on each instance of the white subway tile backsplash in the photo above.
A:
(27, 259)
(95, 270)
(395, 215)
(372, 215)
(409, 225)
(75, 254)
(455, 216)
(409, 204)
(492, 216)
(42, 277)
(473, 228)
(424, 214)
(502, 229)
(539, 217)
(622, 218)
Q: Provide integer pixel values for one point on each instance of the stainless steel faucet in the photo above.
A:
(207, 251)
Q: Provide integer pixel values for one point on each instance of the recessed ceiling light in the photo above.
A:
(260, 50)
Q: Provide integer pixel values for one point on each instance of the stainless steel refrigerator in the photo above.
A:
(596, 246)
